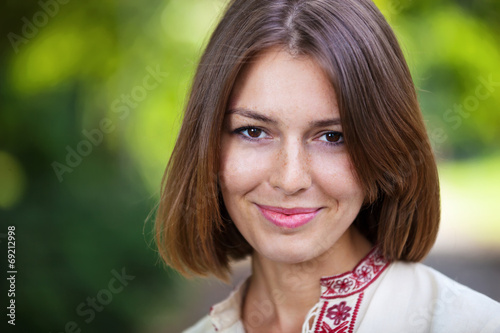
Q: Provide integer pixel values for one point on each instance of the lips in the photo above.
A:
(289, 218)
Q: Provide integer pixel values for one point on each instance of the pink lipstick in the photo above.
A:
(288, 217)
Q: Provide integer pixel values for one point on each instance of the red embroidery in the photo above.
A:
(357, 280)
(338, 318)
(355, 313)
(363, 274)
(342, 328)
(341, 316)
(339, 312)
(343, 286)
(321, 328)
(325, 328)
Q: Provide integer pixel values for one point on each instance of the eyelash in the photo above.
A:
(239, 131)
(340, 142)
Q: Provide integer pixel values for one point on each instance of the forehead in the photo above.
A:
(276, 81)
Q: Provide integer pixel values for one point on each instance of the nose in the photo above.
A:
(291, 171)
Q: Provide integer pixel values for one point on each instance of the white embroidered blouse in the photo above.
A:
(379, 296)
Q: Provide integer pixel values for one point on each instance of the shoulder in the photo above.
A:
(224, 316)
(440, 303)
(204, 325)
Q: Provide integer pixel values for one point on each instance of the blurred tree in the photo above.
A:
(453, 50)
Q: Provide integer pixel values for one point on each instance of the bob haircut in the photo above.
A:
(383, 129)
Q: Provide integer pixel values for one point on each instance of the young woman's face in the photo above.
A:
(286, 177)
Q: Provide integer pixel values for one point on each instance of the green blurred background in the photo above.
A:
(91, 99)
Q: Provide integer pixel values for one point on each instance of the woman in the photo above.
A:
(303, 146)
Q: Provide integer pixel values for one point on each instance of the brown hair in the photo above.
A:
(382, 123)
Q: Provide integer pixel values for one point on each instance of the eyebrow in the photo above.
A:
(258, 116)
(252, 114)
(325, 122)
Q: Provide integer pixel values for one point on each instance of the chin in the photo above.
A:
(290, 253)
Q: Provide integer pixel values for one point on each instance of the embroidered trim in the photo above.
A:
(336, 317)
(355, 313)
(320, 319)
(339, 312)
(357, 280)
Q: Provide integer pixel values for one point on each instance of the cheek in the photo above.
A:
(241, 169)
(337, 177)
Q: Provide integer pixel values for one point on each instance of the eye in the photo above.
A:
(332, 138)
(251, 132)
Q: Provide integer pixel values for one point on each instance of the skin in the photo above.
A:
(282, 146)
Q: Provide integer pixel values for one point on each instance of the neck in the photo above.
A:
(280, 294)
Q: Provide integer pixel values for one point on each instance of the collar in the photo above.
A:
(227, 314)
(357, 280)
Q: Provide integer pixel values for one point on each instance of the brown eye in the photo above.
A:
(251, 133)
(333, 137)
(254, 132)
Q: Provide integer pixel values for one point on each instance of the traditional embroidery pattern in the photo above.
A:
(357, 280)
(355, 314)
(341, 295)
(340, 300)
(327, 329)
(343, 285)
(338, 312)
(336, 317)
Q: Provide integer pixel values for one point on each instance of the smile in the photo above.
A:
(289, 218)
